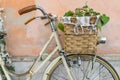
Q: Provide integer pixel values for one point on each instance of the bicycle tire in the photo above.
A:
(108, 73)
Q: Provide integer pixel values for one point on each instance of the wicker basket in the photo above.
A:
(86, 39)
(82, 43)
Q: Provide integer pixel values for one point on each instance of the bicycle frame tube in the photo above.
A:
(4, 70)
(35, 67)
(48, 70)
(59, 47)
(72, 77)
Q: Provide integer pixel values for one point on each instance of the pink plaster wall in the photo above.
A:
(111, 8)
(16, 39)
(28, 40)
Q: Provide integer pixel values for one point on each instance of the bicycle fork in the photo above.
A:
(70, 74)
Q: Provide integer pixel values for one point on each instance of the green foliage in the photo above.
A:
(104, 19)
(85, 6)
(99, 25)
(69, 13)
(61, 26)
(2, 41)
(9, 67)
(86, 11)
(79, 14)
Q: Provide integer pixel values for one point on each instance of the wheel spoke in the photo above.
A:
(62, 72)
(88, 69)
(102, 71)
(94, 70)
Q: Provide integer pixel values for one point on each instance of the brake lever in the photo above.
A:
(52, 17)
(31, 19)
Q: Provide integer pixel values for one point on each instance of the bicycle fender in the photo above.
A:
(50, 67)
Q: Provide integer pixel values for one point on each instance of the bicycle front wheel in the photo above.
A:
(83, 67)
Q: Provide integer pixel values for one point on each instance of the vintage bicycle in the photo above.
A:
(64, 67)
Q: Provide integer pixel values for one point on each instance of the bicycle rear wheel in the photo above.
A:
(84, 67)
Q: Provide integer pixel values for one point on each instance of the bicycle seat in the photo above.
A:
(2, 35)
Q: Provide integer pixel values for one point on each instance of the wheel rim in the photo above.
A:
(85, 70)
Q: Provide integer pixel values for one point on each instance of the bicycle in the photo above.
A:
(64, 67)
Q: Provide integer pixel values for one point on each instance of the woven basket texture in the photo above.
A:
(82, 43)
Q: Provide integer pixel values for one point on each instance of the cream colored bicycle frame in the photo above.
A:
(36, 65)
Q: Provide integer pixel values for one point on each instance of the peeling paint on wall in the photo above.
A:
(15, 28)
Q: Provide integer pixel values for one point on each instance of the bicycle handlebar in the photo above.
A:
(34, 7)
(31, 8)
(31, 19)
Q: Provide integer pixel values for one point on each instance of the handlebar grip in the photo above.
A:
(31, 8)
(29, 20)
(27, 9)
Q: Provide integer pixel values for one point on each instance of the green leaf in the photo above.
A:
(87, 14)
(2, 41)
(91, 10)
(61, 26)
(69, 13)
(104, 19)
(95, 13)
(87, 11)
(99, 25)
(79, 14)
(85, 6)
(11, 68)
